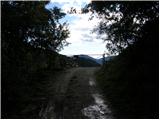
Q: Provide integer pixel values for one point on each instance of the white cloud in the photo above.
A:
(81, 27)
(72, 1)
(81, 39)
(67, 4)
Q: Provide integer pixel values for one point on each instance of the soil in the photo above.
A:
(75, 95)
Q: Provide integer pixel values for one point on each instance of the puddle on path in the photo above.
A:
(91, 83)
(99, 109)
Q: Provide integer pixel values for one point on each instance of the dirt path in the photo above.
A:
(75, 95)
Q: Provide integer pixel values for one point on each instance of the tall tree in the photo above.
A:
(30, 34)
(32, 23)
(122, 22)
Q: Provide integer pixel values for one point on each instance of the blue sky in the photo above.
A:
(82, 40)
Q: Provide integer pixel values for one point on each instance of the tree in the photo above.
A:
(31, 36)
(132, 30)
(122, 22)
(32, 23)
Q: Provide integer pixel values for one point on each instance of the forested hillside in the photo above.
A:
(86, 61)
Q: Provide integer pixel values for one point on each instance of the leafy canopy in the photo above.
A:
(122, 22)
(32, 23)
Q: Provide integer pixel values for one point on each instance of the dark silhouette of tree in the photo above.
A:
(32, 23)
(31, 37)
(122, 22)
(130, 81)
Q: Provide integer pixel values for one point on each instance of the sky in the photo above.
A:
(82, 40)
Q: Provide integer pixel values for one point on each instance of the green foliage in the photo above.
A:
(130, 81)
(32, 23)
(121, 21)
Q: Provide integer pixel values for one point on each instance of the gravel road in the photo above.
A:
(75, 95)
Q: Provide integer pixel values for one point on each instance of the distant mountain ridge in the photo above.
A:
(100, 60)
(88, 61)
